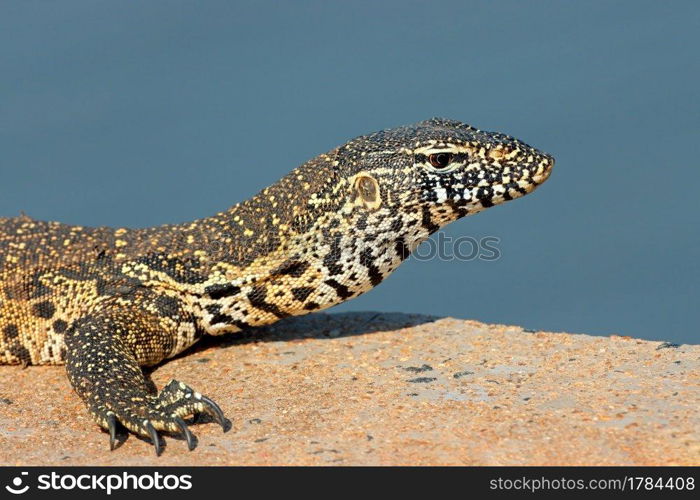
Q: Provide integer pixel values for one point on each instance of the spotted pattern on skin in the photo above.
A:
(107, 301)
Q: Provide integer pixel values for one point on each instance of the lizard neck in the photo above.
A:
(261, 225)
(301, 245)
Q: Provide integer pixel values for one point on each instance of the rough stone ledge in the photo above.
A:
(372, 388)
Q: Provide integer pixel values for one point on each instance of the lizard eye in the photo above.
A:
(440, 160)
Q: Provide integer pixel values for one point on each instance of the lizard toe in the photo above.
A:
(179, 399)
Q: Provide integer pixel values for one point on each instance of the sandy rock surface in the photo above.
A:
(372, 388)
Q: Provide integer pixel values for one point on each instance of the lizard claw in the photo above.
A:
(112, 427)
(188, 435)
(154, 436)
(213, 409)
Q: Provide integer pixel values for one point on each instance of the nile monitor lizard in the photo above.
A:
(107, 301)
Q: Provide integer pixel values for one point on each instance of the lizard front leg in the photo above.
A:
(104, 351)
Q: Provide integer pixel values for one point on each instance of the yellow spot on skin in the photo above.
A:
(248, 232)
(513, 154)
(120, 243)
(497, 154)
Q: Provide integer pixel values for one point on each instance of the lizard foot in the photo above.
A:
(163, 412)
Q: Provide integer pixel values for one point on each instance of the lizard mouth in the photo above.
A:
(525, 183)
(546, 171)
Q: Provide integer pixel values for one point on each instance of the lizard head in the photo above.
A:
(441, 169)
(340, 223)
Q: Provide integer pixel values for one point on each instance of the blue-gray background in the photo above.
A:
(143, 113)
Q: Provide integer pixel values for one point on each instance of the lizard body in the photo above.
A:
(106, 301)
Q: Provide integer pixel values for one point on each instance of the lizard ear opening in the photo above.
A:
(366, 192)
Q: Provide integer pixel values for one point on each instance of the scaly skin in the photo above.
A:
(107, 301)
